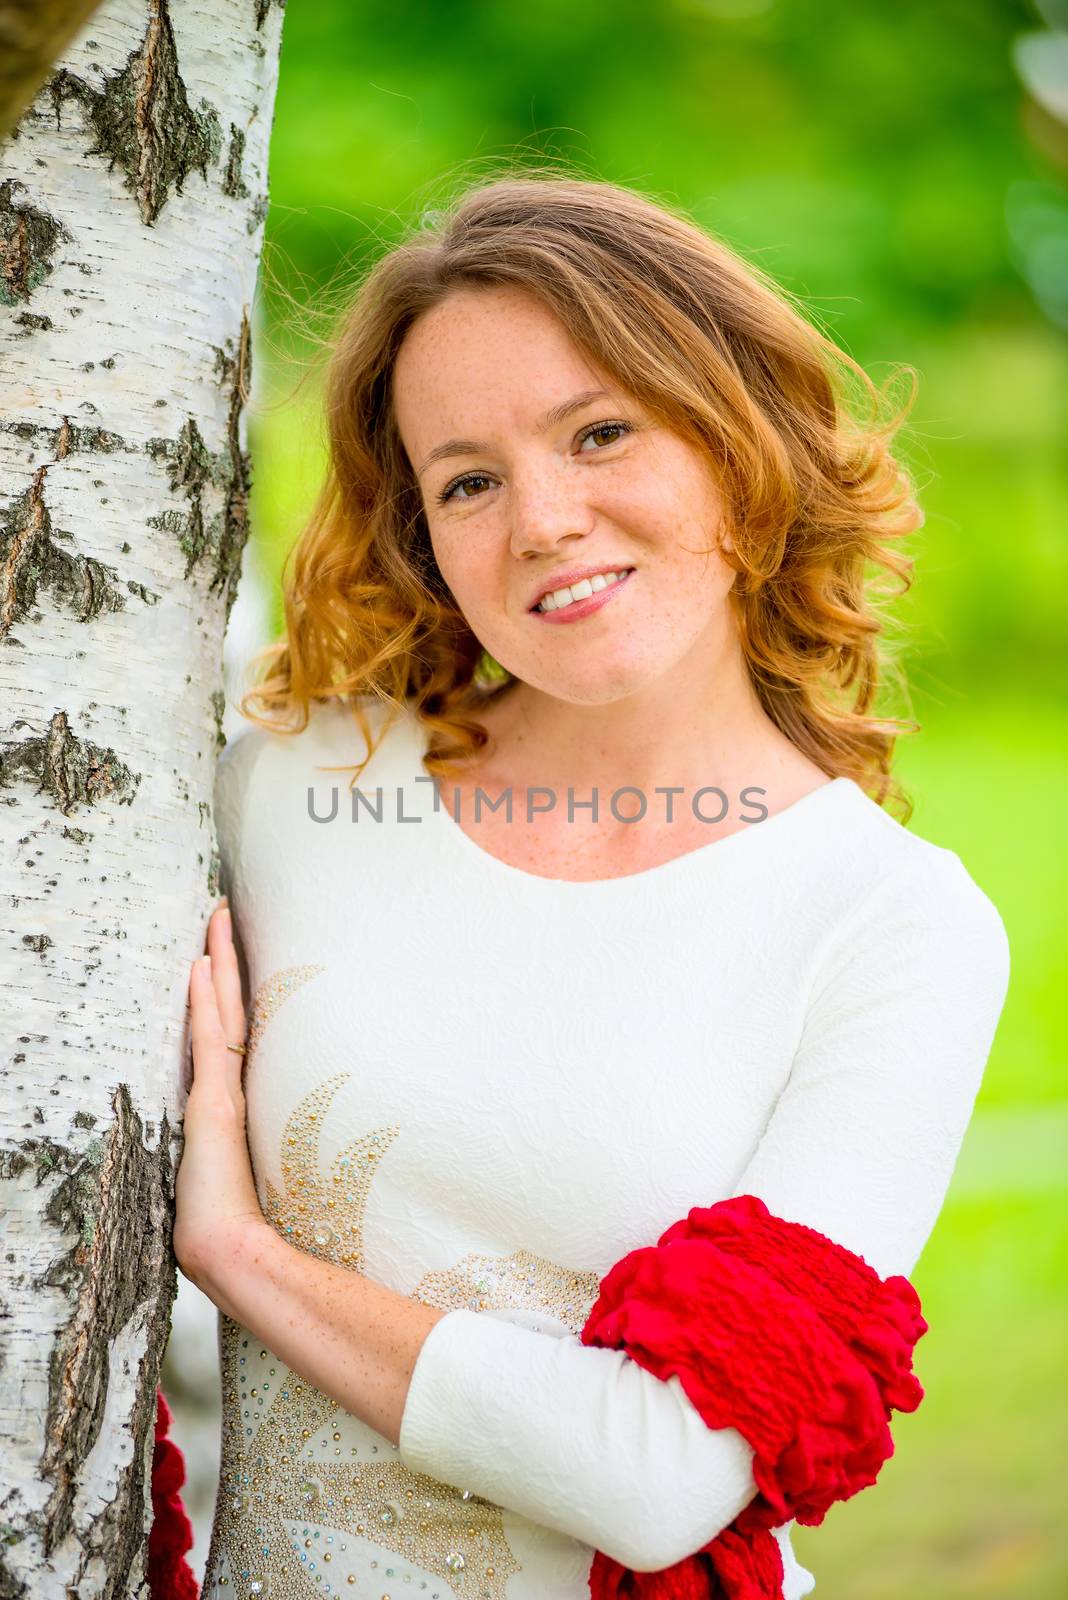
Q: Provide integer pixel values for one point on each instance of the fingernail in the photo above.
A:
(225, 901)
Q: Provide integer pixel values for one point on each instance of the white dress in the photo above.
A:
(482, 1087)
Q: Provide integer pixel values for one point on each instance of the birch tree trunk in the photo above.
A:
(132, 202)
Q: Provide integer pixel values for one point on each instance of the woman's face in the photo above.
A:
(532, 463)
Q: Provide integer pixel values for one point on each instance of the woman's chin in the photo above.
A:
(591, 688)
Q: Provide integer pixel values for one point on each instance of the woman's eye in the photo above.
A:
(614, 430)
(461, 483)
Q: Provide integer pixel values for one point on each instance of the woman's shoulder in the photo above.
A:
(332, 736)
(905, 886)
(264, 775)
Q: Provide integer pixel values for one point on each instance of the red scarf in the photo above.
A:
(774, 1330)
(170, 1577)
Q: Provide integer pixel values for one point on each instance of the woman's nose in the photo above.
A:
(547, 506)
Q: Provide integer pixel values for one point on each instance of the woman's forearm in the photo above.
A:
(350, 1337)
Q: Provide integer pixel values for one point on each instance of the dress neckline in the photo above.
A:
(805, 807)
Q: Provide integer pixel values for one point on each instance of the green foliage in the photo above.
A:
(861, 152)
(968, 1508)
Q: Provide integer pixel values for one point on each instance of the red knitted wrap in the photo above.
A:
(776, 1331)
(170, 1577)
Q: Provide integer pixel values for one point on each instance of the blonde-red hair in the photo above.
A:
(710, 345)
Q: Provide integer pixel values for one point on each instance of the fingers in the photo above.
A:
(217, 1016)
(227, 975)
(205, 1025)
(218, 1073)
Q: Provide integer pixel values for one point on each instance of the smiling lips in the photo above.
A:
(571, 604)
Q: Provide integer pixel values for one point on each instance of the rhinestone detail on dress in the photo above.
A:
(269, 996)
(520, 1281)
(324, 1214)
(291, 1498)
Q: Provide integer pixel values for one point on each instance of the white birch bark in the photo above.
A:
(132, 201)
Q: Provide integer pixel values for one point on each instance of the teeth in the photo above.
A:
(580, 591)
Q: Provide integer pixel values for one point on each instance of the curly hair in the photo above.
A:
(717, 351)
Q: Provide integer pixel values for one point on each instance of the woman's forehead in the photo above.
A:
(490, 355)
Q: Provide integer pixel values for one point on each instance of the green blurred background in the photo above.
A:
(903, 169)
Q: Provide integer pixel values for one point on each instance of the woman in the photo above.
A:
(491, 1052)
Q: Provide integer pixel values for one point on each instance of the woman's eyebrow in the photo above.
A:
(560, 413)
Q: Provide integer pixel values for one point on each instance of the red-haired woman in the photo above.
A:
(610, 1043)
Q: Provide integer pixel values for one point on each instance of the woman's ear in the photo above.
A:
(723, 532)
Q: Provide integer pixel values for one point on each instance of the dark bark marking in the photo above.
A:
(67, 437)
(32, 557)
(218, 711)
(30, 322)
(193, 469)
(215, 872)
(239, 484)
(113, 1204)
(262, 8)
(190, 470)
(142, 118)
(257, 213)
(11, 1587)
(233, 181)
(29, 238)
(73, 771)
(214, 885)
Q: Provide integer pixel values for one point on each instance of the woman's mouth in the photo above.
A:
(581, 599)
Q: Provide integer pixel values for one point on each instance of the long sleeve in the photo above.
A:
(861, 1145)
(866, 1134)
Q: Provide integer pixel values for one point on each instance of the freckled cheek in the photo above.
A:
(473, 564)
(451, 552)
(650, 508)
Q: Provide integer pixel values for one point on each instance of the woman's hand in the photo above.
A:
(215, 1195)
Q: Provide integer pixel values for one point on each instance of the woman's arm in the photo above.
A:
(867, 1130)
(861, 1146)
(306, 1311)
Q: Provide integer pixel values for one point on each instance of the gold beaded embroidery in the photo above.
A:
(521, 1280)
(324, 1216)
(286, 1509)
(284, 1512)
(269, 996)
